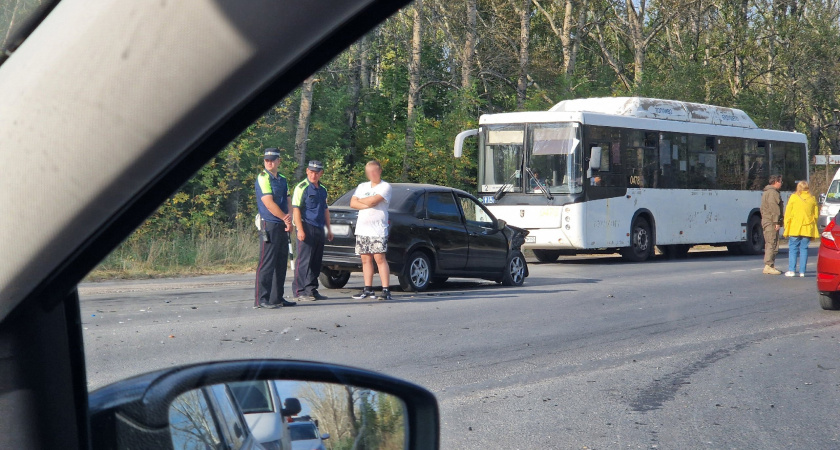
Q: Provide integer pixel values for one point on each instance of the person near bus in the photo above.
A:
(272, 192)
(800, 227)
(772, 207)
(310, 216)
(372, 200)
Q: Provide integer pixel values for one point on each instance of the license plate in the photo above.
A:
(530, 239)
(341, 230)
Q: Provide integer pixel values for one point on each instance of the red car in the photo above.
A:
(828, 266)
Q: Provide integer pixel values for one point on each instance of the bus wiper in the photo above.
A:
(501, 192)
(540, 185)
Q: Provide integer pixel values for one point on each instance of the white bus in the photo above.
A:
(627, 174)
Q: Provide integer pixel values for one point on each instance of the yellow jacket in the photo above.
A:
(801, 216)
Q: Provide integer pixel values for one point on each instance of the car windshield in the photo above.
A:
(548, 333)
(303, 432)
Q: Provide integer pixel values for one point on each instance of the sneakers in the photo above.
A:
(363, 295)
(801, 275)
(385, 295)
(790, 274)
(770, 270)
(304, 298)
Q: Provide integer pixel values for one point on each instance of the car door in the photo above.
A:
(443, 227)
(488, 245)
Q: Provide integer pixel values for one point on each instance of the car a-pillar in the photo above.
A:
(642, 237)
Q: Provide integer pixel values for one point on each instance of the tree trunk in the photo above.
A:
(352, 111)
(469, 45)
(524, 38)
(302, 134)
(413, 87)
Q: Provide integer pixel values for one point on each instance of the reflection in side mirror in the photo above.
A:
(822, 198)
(357, 417)
(501, 224)
(240, 404)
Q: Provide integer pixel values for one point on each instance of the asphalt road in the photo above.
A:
(591, 353)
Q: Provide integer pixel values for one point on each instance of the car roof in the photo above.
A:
(123, 123)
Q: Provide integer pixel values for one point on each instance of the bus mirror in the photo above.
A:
(459, 141)
(595, 158)
(822, 198)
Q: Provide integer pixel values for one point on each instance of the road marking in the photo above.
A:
(740, 270)
(717, 273)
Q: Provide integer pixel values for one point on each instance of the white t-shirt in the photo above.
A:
(373, 222)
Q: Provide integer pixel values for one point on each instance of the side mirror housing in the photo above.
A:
(822, 198)
(501, 224)
(595, 158)
(154, 410)
(459, 141)
(291, 407)
(325, 436)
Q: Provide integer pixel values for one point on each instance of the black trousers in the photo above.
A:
(310, 254)
(271, 271)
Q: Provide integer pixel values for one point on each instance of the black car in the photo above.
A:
(435, 233)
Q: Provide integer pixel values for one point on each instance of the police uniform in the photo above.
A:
(274, 239)
(311, 200)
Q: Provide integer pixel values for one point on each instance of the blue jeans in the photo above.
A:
(798, 246)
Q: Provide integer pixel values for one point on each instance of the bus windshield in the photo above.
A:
(554, 158)
(500, 158)
(553, 154)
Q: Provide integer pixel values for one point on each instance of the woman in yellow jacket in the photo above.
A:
(800, 226)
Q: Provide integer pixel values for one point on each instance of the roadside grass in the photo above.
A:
(229, 251)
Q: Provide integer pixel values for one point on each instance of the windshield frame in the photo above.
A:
(518, 181)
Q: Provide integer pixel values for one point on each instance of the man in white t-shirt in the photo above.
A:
(372, 200)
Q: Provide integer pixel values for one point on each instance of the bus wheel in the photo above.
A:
(754, 245)
(641, 242)
(546, 256)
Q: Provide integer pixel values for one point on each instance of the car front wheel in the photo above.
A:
(418, 273)
(515, 270)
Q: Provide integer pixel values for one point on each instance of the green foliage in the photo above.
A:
(775, 60)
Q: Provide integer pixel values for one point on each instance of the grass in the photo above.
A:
(231, 251)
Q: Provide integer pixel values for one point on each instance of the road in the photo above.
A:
(591, 353)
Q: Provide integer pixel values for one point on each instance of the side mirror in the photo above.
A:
(180, 407)
(291, 407)
(822, 198)
(325, 436)
(501, 224)
(595, 158)
(459, 141)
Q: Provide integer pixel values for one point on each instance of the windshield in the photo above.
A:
(554, 158)
(833, 193)
(500, 158)
(303, 432)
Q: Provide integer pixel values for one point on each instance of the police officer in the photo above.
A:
(311, 216)
(275, 222)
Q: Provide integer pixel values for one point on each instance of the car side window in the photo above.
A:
(191, 422)
(475, 213)
(441, 206)
(228, 413)
(419, 205)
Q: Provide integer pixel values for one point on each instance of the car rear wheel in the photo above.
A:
(641, 242)
(418, 273)
(546, 256)
(515, 270)
(830, 300)
(334, 279)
